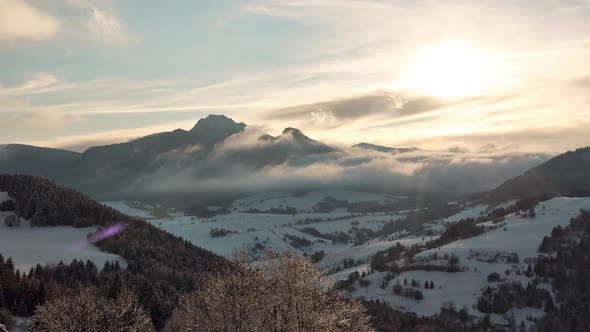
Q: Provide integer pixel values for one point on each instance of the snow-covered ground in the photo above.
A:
(267, 231)
(471, 212)
(476, 211)
(365, 251)
(270, 230)
(519, 235)
(122, 207)
(29, 246)
(478, 256)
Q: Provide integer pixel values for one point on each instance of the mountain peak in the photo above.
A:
(292, 131)
(217, 121)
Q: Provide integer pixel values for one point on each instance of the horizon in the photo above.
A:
(489, 148)
(95, 72)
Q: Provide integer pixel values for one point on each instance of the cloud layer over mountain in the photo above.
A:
(249, 161)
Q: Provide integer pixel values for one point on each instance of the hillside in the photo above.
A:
(46, 204)
(156, 260)
(27, 159)
(566, 174)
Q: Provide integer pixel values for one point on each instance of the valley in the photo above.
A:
(507, 247)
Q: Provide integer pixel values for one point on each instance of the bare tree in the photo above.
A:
(83, 310)
(69, 313)
(282, 293)
(125, 314)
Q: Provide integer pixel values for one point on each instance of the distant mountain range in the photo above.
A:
(111, 168)
(219, 154)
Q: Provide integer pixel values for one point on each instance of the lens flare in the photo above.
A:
(106, 233)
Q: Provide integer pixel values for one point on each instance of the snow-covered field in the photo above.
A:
(29, 246)
(269, 230)
(266, 231)
(519, 235)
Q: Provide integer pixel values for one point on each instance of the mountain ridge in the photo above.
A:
(111, 168)
(565, 174)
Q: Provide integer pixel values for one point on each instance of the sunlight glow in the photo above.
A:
(452, 70)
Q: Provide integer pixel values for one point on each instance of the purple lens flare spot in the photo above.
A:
(105, 233)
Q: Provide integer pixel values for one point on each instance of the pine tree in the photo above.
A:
(532, 213)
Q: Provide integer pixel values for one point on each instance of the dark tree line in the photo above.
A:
(509, 295)
(569, 269)
(386, 319)
(465, 228)
(384, 260)
(414, 220)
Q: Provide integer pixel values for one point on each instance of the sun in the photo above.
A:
(452, 70)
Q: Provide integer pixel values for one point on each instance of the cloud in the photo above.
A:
(105, 27)
(46, 120)
(218, 171)
(354, 108)
(244, 163)
(80, 142)
(20, 21)
(39, 83)
(458, 149)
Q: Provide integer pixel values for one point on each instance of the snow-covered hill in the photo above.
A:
(29, 246)
(478, 257)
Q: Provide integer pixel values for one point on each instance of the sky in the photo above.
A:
(458, 75)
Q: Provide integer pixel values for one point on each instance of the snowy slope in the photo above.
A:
(476, 211)
(519, 235)
(29, 246)
(471, 212)
(365, 251)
